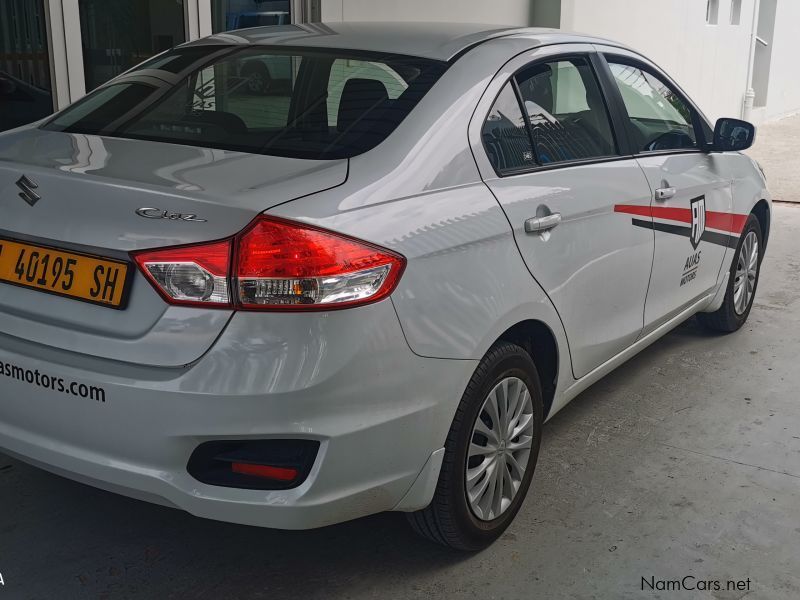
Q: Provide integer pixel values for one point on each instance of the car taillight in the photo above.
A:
(282, 264)
(190, 275)
(276, 265)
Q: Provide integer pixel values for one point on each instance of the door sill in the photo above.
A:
(599, 372)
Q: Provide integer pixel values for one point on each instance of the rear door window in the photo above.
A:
(567, 113)
(505, 134)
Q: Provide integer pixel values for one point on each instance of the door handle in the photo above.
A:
(666, 193)
(542, 224)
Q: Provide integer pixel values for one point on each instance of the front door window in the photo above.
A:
(660, 119)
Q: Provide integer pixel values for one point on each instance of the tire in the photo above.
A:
(732, 315)
(450, 519)
(259, 81)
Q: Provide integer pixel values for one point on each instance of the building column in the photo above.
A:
(66, 54)
(197, 19)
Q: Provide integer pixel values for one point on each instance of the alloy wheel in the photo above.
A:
(744, 283)
(500, 448)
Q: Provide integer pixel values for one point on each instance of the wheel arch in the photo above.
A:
(541, 344)
(762, 212)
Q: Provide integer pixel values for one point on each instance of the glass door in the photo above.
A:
(119, 34)
(227, 15)
(25, 83)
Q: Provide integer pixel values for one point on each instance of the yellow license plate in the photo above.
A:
(79, 276)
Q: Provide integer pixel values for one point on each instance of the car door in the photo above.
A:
(692, 202)
(556, 169)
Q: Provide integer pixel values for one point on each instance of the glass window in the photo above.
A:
(25, 94)
(344, 71)
(320, 104)
(736, 12)
(505, 134)
(660, 119)
(565, 107)
(227, 15)
(119, 34)
(712, 12)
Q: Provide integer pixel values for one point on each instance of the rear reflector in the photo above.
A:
(276, 265)
(265, 471)
(254, 464)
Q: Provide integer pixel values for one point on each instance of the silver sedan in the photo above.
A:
(365, 283)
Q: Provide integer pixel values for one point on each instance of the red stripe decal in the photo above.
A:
(728, 222)
(632, 209)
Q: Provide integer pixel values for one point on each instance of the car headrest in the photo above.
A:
(537, 86)
(359, 97)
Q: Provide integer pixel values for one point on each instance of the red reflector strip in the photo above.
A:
(265, 471)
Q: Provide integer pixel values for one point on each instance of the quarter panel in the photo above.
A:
(465, 282)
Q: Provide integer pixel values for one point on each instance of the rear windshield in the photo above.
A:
(324, 104)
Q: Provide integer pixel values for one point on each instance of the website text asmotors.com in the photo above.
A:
(49, 382)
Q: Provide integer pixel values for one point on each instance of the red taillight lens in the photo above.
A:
(282, 264)
(278, 265)
(190, 275)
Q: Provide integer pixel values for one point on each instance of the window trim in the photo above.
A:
(704, 145)
(620, 136)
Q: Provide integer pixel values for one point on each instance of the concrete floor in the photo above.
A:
(686, 461)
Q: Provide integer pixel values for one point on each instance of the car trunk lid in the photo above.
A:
(107, 197)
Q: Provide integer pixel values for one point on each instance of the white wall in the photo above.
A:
(708, 61)
(513, 12)
(783, 98)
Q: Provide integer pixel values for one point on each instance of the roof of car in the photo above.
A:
(437, 41)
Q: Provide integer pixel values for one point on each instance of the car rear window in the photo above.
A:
(316, 104)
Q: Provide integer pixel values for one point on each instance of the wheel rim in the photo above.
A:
(500, 448)
(744, 283)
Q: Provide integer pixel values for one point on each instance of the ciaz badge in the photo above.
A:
(157, 213)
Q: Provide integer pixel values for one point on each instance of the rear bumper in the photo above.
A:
(347, 379)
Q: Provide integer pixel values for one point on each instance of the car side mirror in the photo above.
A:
(732, 135)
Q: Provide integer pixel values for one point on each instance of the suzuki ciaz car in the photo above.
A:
(364, 290)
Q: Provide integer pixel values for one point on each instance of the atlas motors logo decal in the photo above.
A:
(698, 220)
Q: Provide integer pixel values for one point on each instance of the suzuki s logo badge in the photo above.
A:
(157, 213)
(28, 186)
(698, 220)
